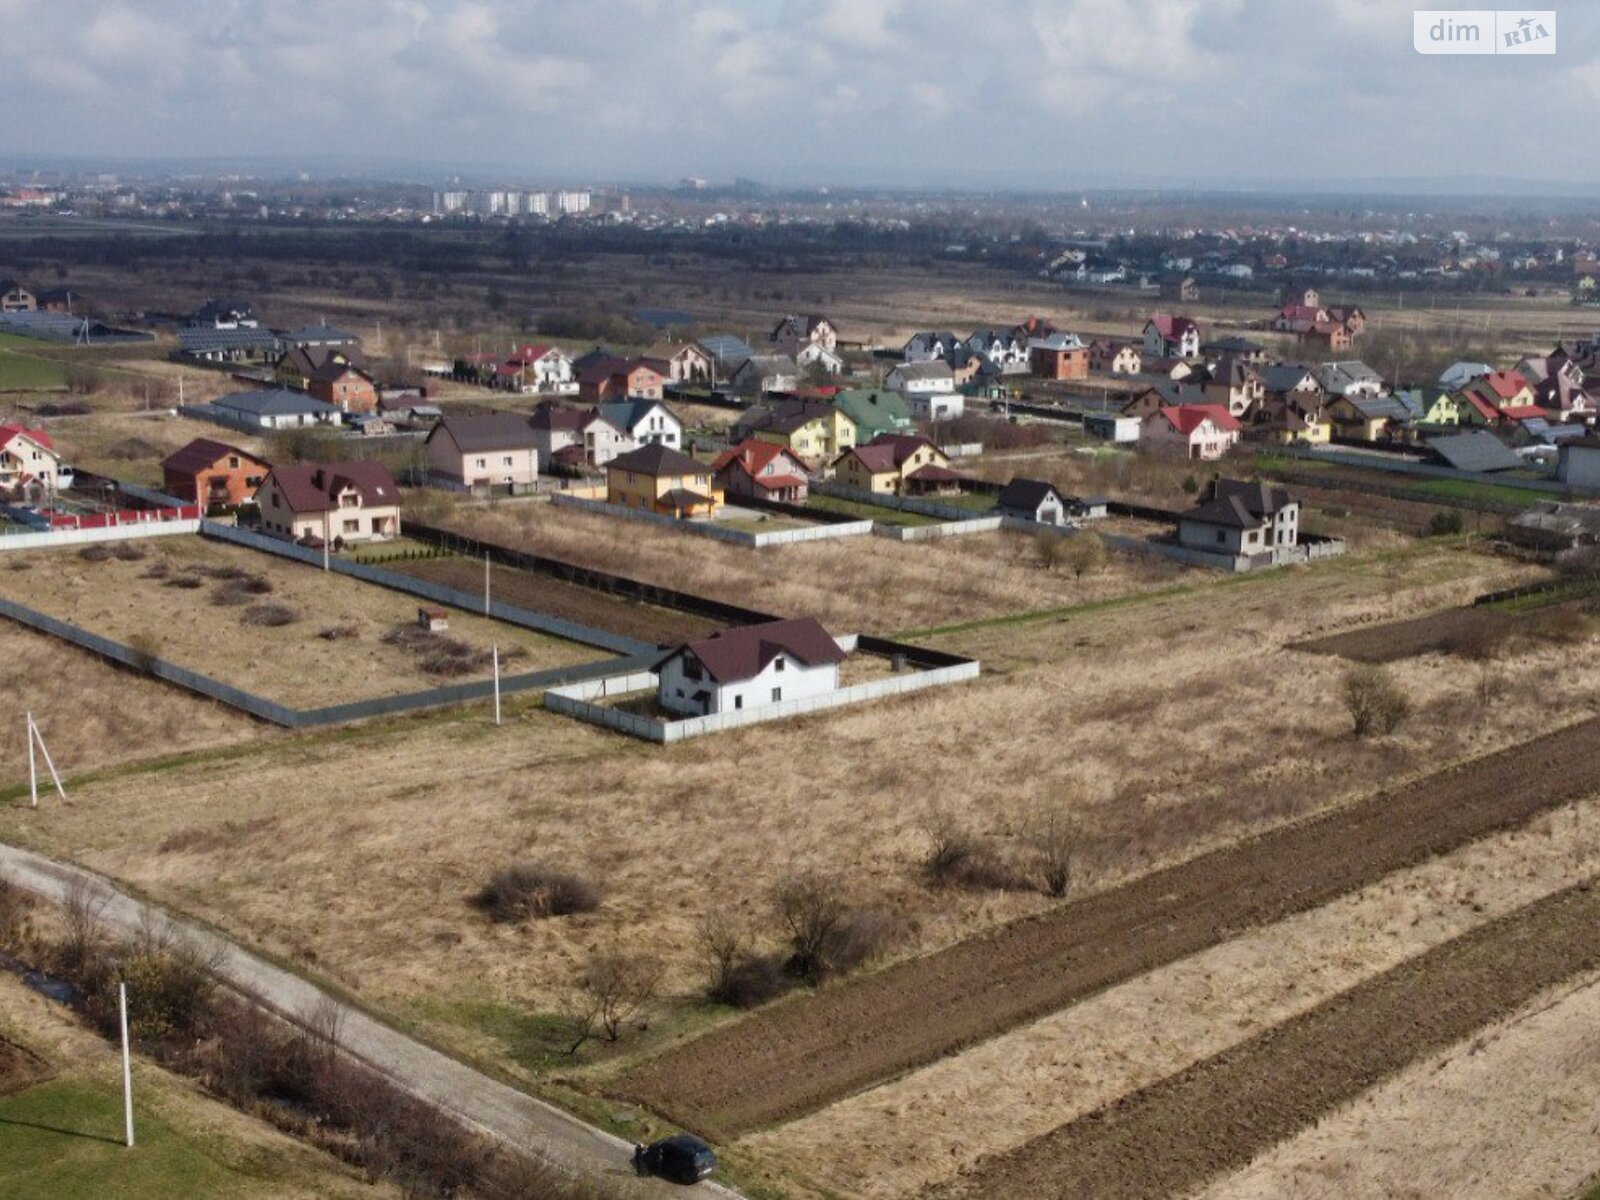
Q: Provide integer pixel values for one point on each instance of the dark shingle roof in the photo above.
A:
(744, 652)
(656, 459)
(201, 454)
(315, 487)
(472, 432)
(276, 403)
(1477, 450)
(1026, 494)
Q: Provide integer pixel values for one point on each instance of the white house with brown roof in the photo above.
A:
(478, 451)
(1238, 518)
(333, 503)
(573, 436)
(749, 666)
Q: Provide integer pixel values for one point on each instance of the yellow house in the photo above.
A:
(813, 432)
(897, 464)
(659, 479)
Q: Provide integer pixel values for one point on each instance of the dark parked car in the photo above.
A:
(681, 1158)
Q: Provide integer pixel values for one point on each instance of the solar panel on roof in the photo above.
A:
(202, 340)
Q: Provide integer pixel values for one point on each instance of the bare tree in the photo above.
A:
(1054, 838)
(724, 942)
(323, 1022)
(1375, 702)
(82, 910)
(813, 915)
(1084, 553)
(614, 990)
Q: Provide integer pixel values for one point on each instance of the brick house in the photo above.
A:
(344, 385)
(213, 473)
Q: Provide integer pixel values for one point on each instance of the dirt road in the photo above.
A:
(1220, 1113)
(804, 1053)
(478, 1101)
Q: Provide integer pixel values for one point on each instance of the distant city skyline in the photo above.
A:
(1010, 95)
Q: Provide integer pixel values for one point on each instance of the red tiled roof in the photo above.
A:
(1523, 412)
(1300, 312)
(744, 652)
(1186, 418)
(7, 432)
(752, 455)
(1483, 407)
(1505, 384)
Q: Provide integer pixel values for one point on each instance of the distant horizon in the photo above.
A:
(1017, 96)
(403, 173)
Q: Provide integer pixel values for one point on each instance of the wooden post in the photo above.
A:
(497, 684)
(33, 767)
(486, 583)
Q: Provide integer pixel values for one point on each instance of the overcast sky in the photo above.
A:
(999, 93)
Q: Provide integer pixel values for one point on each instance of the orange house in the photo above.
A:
(1060, 362)
(345, 385)
(207, 473)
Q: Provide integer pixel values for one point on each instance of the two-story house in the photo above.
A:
(647, 422)
(761, 470)
(1170, 336)
(330, 503)
(213, 474)
(656, 478)
(749, 666)
(482, 451)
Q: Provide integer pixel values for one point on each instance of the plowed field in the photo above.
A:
(1221, 1112)
(805, 1053)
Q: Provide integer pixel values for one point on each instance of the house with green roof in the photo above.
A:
(873, 412)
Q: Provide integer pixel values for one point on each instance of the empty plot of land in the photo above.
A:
(1436, 633)
(1512, 1112)
(1220, 1113)
(93, 713)
(852, 585)
(558, 597)
(282, 630)
(1003, 1093)
(801, 1055)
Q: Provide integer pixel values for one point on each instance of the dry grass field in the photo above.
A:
(370, 882)
(137, 603)
(852, 585)
(94, 715)
(1512, 1112)
(130, 446)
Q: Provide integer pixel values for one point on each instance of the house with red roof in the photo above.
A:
(1197, 431)
(749, 666)
(1503, 389)
(1170, 336)
(897, 464)
(330, 503)
(541, 370)
(763, 470)
(1297, 317)
(28, 458)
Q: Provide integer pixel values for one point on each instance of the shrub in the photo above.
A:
(1565, 626)
(270, 615)
(1446, 522)
(129, 552)
(956, 858)
(1375, 702)
(532, 891)
(171, 985)
(825, 935)
(1053, 839)
(15, 905)
(240, 590)
(340, 633)
(98, 552)
(1084, 553)
(753, 980)
(187, 583)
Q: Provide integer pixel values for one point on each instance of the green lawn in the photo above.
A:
(871, 512)
(21, 372)
(63, 1139)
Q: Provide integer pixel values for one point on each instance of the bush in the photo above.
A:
(533, 891)
(1375, 702)
(1445, 523)
(615, 989)
(1565, 626)
(825, 935)
(171, 985)
(270, 615)
(1053, 839)
(340, 633)
(98, 552)
(1084, 553)
(240, 590)
(956, 858)
(187, 583)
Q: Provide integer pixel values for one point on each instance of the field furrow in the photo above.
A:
(801, 1055)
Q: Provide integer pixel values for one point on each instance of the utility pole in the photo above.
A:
(35, 738)
(497, 684)
(486, 583)
(127, 1064)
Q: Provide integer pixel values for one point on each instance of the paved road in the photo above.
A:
(479, 1101)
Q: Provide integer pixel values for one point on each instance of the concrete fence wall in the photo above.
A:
(710, 529)
(920, 505)
(511, 613)
(577, 701)
(1423, 470)
(45, 539)
(924, 533)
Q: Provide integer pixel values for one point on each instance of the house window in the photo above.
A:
(1221, 537)
(506, 461)
(777, 694)
(738, 701)
(778, 664)
(353, 526)
(482, 462)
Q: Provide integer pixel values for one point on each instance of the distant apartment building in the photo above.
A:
(568, 203)
(449, 202)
